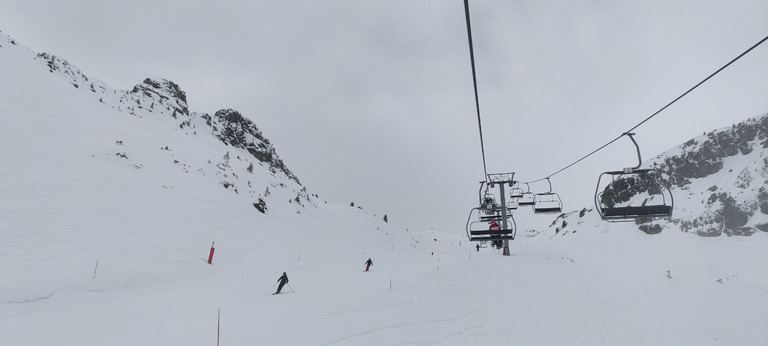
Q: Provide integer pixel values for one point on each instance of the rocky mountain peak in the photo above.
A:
(57, 64)
(232, 128)
(162, 92)
(725, 173)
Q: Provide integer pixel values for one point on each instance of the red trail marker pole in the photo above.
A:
(210, 256)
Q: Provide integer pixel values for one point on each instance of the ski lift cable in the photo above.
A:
(474, 83)
(654, 114)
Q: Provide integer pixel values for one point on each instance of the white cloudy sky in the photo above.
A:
(371, 101)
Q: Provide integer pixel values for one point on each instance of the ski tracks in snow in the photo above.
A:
(31, 300)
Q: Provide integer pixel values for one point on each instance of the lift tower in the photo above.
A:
(503, 179)
(481, 217)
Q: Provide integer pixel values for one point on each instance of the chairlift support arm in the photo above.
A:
(637, 147)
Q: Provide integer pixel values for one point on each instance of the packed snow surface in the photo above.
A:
(105, 236)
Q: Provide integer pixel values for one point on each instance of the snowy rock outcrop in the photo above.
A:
(719, 182)
(164, 94)
(720, 179)
(164, 104)
(64, 68)
(230, 127)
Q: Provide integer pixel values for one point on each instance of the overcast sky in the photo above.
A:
(371, 101)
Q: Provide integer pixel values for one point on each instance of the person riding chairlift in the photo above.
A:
(495, 227)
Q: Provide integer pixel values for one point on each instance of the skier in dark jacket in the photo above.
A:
(368, 264)
(282, 280)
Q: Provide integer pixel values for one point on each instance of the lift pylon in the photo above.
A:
(479, 221)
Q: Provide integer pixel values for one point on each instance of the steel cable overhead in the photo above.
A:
(655, 113)
(477, 102)
(474, 83)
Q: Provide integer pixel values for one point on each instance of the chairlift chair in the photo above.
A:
(618, 193)
(547, 202)
(477, 227)
(486, 215)
(527, 197)
(489, 209)
(488, 202)
(480, 217)
(516, 191)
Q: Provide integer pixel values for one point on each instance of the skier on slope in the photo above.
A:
(368, 264)
(282, 280)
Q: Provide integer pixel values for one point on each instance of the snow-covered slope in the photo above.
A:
(110, 200)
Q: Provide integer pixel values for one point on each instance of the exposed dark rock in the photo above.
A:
(164, 92)
(261, 206)
(731, 208)
(56, 64)
(734, 215)
(232, 128)
(702, 159)
(762, 200)
(709, 232)
(650, 228)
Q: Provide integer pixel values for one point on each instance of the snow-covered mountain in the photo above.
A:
(164, 98)
(110, 201)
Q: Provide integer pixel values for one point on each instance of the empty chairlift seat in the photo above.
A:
(651, 211)
(547, 203)
(528, 198)
(632, 194)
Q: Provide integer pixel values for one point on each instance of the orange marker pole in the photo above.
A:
(210, 256)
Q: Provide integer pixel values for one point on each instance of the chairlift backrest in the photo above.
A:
(528, 198)
(616, 189)
(516, 191)
(547, 203)
(615, 201)
(478, 227)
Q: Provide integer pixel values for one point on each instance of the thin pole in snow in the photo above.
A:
(390, 282)
(299, 256)
(95, 268)
(218, 328)
(210, 255)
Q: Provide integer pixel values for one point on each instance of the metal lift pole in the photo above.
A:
(504, 217)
